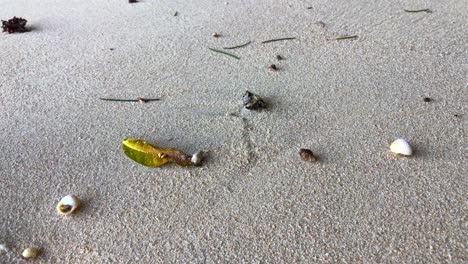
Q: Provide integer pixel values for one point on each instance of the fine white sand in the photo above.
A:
(254, 200)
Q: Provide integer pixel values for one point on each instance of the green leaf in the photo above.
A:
(145, 154)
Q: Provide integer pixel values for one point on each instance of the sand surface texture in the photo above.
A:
(254, 200)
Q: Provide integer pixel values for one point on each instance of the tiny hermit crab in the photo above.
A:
(68, 205)
(252, 101)
(307, 155)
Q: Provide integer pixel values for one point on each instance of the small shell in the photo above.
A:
(68, 205)
(401, 146)
(197, 158)
(31, 253)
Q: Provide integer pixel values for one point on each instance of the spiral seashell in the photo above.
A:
(68, 204)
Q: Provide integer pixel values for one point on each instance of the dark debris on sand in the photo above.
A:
(14, 25)
(252, 101)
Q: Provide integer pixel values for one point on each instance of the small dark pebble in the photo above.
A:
(427, 99)
(457, 115)
(278, 57)
(132, 1)
(16, 24)
(309, 7)
(272, 67)
(307, 155)
(112, 49)
(252, 101)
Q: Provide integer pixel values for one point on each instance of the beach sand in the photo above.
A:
(253, 200)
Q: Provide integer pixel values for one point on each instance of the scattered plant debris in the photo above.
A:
(427, 99)
(278, 39)
(307, 155)
(427, 10)
(138, 99)
(225, 53)
(14, 25)
(145, 154)
(252, 101)
(216, 35)
(238, 46)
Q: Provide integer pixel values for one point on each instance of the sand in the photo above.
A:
(253, 200)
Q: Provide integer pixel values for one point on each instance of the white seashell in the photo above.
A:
(197, 158)
(68, 205)
(401, 146)
(30, 253)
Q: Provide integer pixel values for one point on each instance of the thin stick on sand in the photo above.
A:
(238, 46)
(139, 99)
(427, 10)
(225, 53)
(346, 37)
(278, 39)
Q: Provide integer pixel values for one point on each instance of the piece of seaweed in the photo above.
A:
(16, 24)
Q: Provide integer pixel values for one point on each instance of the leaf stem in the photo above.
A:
(225, 53)
(239, 46)
(427, 10)
(346, 37)
(139, 99)
(278, 39)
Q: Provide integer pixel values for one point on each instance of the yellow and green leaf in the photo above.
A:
(145, 154)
